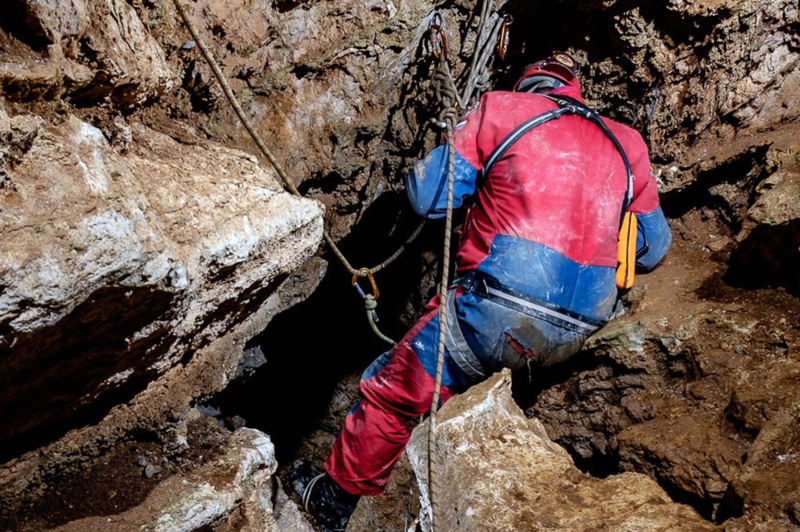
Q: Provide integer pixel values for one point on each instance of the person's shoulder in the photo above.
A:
(505, 100)
(624, 133)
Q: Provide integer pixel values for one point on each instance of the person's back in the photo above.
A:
(546, 220)
(536, 267)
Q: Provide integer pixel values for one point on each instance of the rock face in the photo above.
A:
(695, 391)
(233, 491)
(94, 50)
(499, 471)
(144, 247)
(115, 266)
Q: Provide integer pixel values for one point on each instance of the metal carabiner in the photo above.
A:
(502, 43)
(368, 275)
(436, 36)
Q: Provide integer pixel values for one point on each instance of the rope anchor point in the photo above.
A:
(365, 272)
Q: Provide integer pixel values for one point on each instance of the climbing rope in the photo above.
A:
(450, 99)
(370, 301)
(371, 304)
(477, 83)
(478, 79)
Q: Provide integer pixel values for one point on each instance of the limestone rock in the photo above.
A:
(103, 37)
(234, 491)
(114, 266)
(778, 199)
(498, 470)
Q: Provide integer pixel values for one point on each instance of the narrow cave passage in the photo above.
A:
(117, 394)
(316, 351)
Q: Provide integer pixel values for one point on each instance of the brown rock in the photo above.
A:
(497, 470)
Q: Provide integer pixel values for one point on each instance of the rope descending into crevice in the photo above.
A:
(450, 100)
(371, 302)
(443, 286)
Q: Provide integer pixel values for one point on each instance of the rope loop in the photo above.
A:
(370, 303)
(372, 317)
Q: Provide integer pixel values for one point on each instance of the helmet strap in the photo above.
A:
(539, 83)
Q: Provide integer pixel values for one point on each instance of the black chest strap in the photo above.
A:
(566, 106)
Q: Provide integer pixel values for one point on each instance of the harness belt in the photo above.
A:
(457, 345)
(492, 290)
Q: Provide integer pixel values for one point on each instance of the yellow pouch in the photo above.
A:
(626, 252)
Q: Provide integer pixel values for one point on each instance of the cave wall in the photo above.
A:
(144, 243)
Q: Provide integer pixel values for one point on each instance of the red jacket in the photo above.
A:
(546, 219)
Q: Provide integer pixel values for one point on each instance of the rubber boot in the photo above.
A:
(323, 499)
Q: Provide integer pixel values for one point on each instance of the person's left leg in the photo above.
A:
(396, 389)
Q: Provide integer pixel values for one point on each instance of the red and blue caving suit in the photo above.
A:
(536, 266)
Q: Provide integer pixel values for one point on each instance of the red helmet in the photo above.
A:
(556, 71)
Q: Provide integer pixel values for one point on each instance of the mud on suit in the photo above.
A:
(536, 266)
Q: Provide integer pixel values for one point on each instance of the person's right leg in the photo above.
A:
(398, 387)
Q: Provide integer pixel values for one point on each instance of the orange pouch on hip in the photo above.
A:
(626, 252)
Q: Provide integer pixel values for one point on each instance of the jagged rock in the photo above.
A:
(768, 483)
(51, 79)
(166, 402)
(769, 252)
(684, 389)
(342, 92)
(96, 49)
(498, 470)
(234, 491)
(146, 255)
(114, 267)
(777, 201)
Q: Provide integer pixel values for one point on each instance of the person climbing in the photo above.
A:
(537, 266)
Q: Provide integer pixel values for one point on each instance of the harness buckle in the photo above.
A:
(468, 282)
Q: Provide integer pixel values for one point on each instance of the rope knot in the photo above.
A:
(370, 303)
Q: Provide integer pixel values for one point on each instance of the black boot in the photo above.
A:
(323, 499)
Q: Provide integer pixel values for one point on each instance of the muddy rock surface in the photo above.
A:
(691, 386)
(498, 470)
(155, 278)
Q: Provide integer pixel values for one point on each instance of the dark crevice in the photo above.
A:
(97, 332)
(768, 258)
(17, 21)
(327, 338)
(744, 171)
(284, 6)
(305, 71)
(327, 183)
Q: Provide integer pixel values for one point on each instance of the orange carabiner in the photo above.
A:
(368, 275)
(502, 44)
(436, 36)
